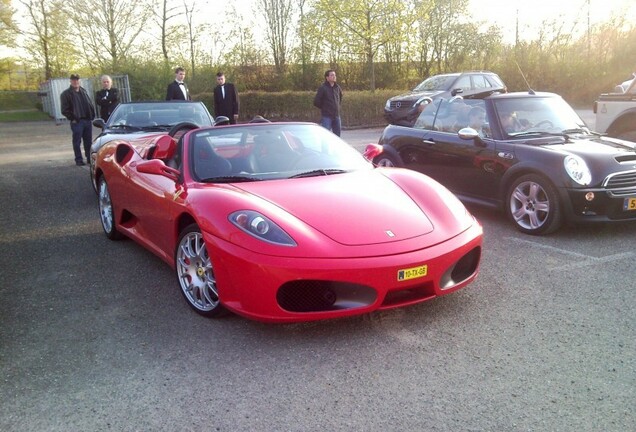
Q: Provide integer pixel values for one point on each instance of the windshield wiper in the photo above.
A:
(124, 126)
(319, 172)
(576, 131)
(156, 127)
(231, 179)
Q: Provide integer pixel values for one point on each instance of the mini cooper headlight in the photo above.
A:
(577, 170)
(261, 227)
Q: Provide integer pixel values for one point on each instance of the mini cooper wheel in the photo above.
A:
(533, 205)
(195, 273)
(385, 160)
(106, 212)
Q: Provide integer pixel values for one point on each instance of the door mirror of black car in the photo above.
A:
(99, 123)
(455, 92)
(469, 133)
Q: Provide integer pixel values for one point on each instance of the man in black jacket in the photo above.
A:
(177, 89)
(107, 98)
(226, 100)
(78, 109)
(328, 99)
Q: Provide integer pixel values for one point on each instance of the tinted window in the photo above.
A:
(480, 82)
(463, 83)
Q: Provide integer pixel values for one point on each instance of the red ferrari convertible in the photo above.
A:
(285, 222)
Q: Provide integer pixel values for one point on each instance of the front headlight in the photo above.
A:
(261, 227)
(387, 105)
(577, 170)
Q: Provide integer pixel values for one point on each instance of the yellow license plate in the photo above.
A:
(629, 203)
(412, 273)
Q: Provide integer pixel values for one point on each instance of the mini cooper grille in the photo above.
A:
(621, 181)
(320, 296)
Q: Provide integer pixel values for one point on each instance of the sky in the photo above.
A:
(531, 13)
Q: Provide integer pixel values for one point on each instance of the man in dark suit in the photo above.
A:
(107, 98)
(177, 89)
(226, 100)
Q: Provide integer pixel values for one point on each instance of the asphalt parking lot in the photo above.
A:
(95, 336)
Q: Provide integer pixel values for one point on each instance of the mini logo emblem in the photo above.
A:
(389, 233)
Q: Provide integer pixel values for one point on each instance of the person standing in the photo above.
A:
(177, 89)
(107, 98)
(226, 100)
(329, 99)
(78, 109)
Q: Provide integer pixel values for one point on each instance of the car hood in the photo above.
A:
(593, 146)
(414, 96)
(344, 206)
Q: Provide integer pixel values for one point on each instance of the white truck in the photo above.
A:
(616, 112)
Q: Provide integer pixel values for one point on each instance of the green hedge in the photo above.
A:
(359, 108)
(14, 100)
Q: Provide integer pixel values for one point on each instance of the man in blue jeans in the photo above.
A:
(328, 99)
(78, 109)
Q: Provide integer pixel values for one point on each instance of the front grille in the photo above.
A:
(321, 296)
(401, 105)
(621, 180)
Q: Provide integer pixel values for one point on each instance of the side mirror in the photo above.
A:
(456, 91)
(372, 151)
(156, 166)
(468, 133)
(221, 120)
(99, 123)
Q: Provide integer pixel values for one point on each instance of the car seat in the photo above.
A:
(272, 153)
(138, 119)
(207, 163)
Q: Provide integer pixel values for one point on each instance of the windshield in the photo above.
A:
(437, 82)
(158, 115)
(538, 115)
(270, 151)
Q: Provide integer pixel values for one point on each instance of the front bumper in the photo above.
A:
(274, 289)
(606, 206)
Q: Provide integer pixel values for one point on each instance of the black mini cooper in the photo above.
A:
(527, 153)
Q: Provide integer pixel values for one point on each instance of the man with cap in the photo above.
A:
(78, 109)
(177, 89)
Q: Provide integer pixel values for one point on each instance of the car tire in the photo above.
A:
(533, 205)
(195, 273)
(386, 160)
(627, 135)
(106, 212)
(91, 173)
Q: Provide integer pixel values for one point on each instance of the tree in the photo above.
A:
(48, 36)
(108, 29)
(7, 25)
(164, 12)
(278, 18)
(368, 25)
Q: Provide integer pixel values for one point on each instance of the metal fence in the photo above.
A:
(51, 90)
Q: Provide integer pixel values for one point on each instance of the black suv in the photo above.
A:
(402, 110)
